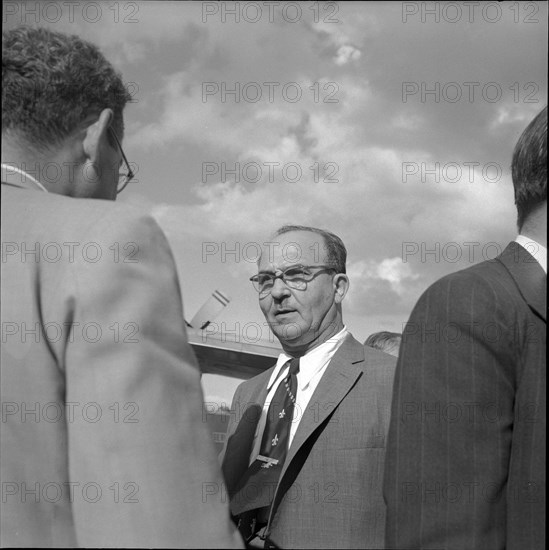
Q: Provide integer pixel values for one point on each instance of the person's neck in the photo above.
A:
(52, 172)
(323, 336)
(535, 226)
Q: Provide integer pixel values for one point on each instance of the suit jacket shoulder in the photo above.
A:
(48, 215)
(510, 278)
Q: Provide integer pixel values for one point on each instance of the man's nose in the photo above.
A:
(280, 289)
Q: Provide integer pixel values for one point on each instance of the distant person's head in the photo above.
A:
(62, 102)
(389, 342)
(529, 169)
(301, 283)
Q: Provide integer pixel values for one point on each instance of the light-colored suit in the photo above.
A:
(102, 436)
(330, 490)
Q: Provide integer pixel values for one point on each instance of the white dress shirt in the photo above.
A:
(535, 249)
(311, 368)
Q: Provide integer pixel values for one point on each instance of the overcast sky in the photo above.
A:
(391, 124)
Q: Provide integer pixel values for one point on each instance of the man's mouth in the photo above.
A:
(283, 311)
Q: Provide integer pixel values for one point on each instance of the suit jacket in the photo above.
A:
(466, 454)
(102, 435)
(330, 491)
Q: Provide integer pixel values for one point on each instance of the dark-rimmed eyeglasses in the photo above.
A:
(295, 276)
(123, 177)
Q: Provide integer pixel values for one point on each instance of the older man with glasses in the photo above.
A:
(102, 439)
(305, 445)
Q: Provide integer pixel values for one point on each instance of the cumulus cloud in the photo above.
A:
(389, 278)
(346, 53)
(390, 175)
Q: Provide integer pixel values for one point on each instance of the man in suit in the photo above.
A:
(465, 462)
(316, 481)
(102, 440)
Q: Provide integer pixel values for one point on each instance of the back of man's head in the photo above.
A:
(51, 82)
(529, 168)
(389, 342)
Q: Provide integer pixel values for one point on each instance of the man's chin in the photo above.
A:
(288, 331)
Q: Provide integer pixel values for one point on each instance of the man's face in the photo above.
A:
(300, 319)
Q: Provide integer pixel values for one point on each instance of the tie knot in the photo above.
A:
(294, 366)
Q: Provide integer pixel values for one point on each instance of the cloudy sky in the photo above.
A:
(391, 124)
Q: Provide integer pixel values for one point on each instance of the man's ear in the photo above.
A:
(341, 285)
(96, 135)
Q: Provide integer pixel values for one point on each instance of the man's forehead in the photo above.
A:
(291, 248)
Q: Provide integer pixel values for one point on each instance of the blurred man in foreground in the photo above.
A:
(466, 454)
(102, 440)
(304, 455)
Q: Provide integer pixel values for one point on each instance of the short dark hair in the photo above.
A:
(336, 253)
(529, 168)
(51, 82)
(384, 341)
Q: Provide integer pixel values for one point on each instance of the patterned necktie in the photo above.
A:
(257, 486)
(274, 444)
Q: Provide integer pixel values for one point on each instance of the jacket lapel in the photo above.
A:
(338, 379)
(528, 275)
(239, 445)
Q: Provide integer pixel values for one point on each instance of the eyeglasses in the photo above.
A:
(295, 276)
(123, 177)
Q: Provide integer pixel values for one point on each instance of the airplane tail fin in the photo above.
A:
(210, 310)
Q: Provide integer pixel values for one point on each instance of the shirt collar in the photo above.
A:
(311, 362)
(538, 251)
(9, 172)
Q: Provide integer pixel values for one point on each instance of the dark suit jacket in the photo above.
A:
(330, 491)
(466, 455)
(102, 438)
